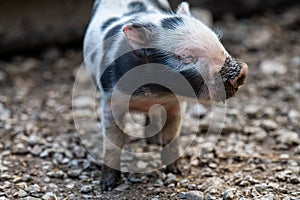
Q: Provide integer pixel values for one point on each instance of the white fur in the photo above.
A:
(192, 36)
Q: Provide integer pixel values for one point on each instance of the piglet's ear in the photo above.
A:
(184, 9)
(189, 56)
(138, 36)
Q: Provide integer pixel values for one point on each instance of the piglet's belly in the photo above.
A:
(145, 104)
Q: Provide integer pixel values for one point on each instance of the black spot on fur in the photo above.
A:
(132, 59)
(171, 23)
(137, 6)
(109, 22)
(113, 31)
(116, 29)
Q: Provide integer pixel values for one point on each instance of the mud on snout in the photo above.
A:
(232, 75)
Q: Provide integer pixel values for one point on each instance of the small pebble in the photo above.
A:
(181, 195)
(270, 67)
(48, 196)
(86, 188)
(135, 180)
(269, 125)
(122, 187)
(194, 195)
(228, 194)
(19, 148)
(36, 150)
(83, 101)
(288, 137)
(252, 110)
(44, 154)
(213, 165)
(141, 164)
(171, 176)
(158, 183)
(75, 173)
(79, 152)
(295, 179)
(58, 157)
(56, 174)
(22, 193)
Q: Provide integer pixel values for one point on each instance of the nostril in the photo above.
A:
(243, 74)
(240, 79)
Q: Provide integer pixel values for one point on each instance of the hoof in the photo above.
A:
(173, 168)
(110, 179)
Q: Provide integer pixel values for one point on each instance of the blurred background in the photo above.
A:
(33, 24)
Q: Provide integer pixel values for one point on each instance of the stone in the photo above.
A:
(181, 195)
(228, 194)
(252, 110)
(213, 165)
(22, 193)
(36, 150)
(122, 187)
(83, 101)
(269, 125)
(79, 152)
(294, 116)
(271, 67)
(74, 173)
(5, 113)
(19, 148)
(158, 183)
(295, 179)
(288, 137)
(194, 195)
(171, 176)
(49, 196)
(171, 185)
(58, 157)
(86, 188)
(141, 164)
(56, 174)
(135, 180)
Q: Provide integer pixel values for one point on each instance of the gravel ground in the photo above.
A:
(257, 156)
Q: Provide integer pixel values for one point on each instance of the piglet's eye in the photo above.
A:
(188, 59)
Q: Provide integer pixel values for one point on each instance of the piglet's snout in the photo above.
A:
(240, 79)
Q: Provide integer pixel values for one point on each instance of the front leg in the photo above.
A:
(114, 139)
(170, 134)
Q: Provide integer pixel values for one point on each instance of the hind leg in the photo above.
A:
(170, 133)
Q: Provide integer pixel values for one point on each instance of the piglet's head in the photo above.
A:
(189, 47)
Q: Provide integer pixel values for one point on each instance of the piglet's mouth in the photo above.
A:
(227, 82)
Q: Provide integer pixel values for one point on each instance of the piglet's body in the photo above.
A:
(168, 54)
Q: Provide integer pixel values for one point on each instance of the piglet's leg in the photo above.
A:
(113, 144)
(154, 125)
(170, 133)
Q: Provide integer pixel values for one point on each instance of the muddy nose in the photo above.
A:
(240, 79)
